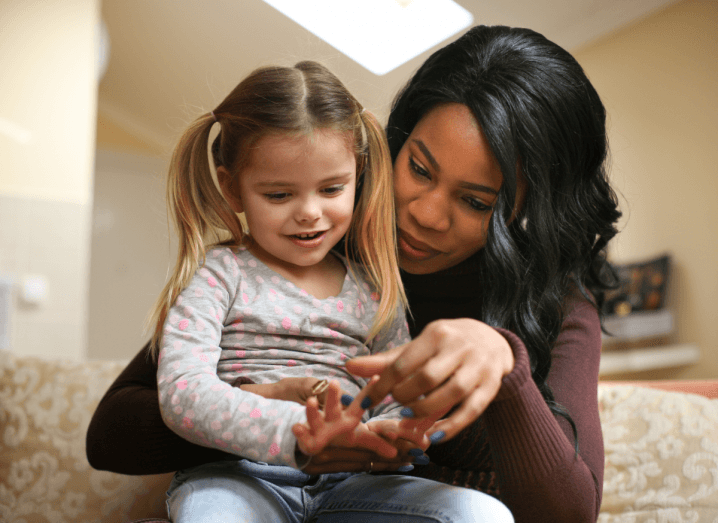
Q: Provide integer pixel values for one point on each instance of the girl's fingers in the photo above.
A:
(366, 366)
(332, 406)
(315, 420)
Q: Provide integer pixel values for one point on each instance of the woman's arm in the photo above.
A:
(518, 450)
(127, 434)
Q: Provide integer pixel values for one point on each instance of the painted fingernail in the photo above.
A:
(416, 452)
(407, 412)
(437, 436)
(422, 460)
(405, 468)
(365, 403)
(347, 399)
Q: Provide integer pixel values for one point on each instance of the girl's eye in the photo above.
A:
(477, 205)
(276, 196)
(417, 169)
(334, 189)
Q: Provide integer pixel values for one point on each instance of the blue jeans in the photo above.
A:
(246, 491)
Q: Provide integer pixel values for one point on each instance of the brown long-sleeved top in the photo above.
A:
(518, 450)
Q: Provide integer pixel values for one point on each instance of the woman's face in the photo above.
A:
(446, 181)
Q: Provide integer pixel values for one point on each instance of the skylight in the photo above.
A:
(380, 35)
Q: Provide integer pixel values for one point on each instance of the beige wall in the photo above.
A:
(659, 82)
(49, 94)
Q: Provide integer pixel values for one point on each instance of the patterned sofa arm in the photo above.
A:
(45, 408)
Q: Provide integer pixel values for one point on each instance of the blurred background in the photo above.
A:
(94, 93)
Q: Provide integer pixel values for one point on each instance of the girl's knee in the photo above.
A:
(482, 508)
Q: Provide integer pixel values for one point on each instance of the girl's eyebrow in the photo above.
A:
(284, 183)
(466, 185)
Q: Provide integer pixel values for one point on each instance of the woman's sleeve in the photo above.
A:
(537, 472)
(127, 435)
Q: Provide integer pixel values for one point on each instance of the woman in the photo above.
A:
(504, 212)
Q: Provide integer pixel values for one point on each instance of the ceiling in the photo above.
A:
(170, 60)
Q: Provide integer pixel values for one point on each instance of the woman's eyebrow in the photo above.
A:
(479, 187)
(424, 149)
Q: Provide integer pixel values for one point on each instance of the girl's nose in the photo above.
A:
(431, 211)
(309, 211)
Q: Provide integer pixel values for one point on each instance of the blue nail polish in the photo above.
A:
(347, 399)
(416, 452)
(407, 412)
(422, 460)
(405, 468)
(437, 436)
(366, 402)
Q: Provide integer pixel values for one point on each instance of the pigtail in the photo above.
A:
(372, 235)
(199, 214)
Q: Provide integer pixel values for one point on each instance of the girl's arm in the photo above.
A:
(127, 435)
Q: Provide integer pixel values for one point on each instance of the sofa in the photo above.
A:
(661, 442)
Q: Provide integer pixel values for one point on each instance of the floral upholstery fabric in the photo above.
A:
(661, 451)
(661, 456)
(45, 408)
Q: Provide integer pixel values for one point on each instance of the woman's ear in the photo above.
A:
(229, 191)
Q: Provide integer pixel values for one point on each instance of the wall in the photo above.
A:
(48, 110)
(659, 82)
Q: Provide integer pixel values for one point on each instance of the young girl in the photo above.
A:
(278, 302)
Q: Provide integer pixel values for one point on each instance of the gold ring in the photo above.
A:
(320, 387)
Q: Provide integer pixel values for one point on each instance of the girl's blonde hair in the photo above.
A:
(294, 100)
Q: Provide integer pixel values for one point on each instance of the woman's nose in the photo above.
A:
(431, 211)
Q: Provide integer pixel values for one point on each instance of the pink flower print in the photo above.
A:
(198, 292)
(187, 423)
(278, 310)
(211, 282)
(229, 395)
(308, 342)
(275, 280)
(218, 297)
(340, 306)
(240, 353)
(262, 438)
(244, 407)
(227, 260)
(327, 309)
(297, 309)
(313, 317)
(374, 296)
(344, 324)
(308, 372)
(252, 263)
(194, 397)
(178, 301)
(178, 410)
(286, 323)
(236, 448)
(227, 436)
(272, 328)
(199, 325)
(245, 423)
(220, 443)
(292, 342)
(316, 303)
(183, 324)
(247, 311)
(291, 363)
(272, 295)
(216, 425)
(217, 387)
(259, 279)
(254, 429)
(274, 449)
(303, 292)
(240, 262)
(245, 298)
(290, 285)
(256, 413)
(182, 384)
(274, 352)
(236, 367)
(259, 340)
(188, 310)
(272, 413)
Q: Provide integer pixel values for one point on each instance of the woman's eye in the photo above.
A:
(334, 189)
(417, 169)
(477, 205)
(276, 196)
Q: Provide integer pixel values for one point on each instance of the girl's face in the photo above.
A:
(297, 194)
(446, 181)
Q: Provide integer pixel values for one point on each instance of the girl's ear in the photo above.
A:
(230, 193)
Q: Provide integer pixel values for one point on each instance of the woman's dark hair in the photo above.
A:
(541, 117)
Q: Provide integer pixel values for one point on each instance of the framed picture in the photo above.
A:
(642, 287)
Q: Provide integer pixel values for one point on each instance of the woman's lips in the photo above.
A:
(414, 249)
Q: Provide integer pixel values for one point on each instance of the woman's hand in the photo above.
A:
(298, 390)
(451, 363)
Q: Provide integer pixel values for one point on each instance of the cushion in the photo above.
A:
(45, 408)
(661, 456)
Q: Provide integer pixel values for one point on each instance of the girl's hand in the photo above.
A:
(338, 425)
(342, 459)
(451, 363)
(393, 429)
(298, 390)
